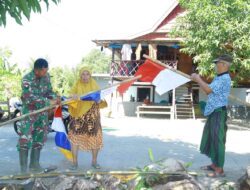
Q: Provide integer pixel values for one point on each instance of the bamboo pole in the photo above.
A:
(65, 102)
(239, 100)
(189, 77)
(82, 173)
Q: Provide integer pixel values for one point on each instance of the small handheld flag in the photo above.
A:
(61, 139)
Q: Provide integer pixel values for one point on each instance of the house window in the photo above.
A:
(143, 93)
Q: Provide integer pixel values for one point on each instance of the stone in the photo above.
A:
(168, 165)
(84, 184)
(244, 181)
(109, 182)
(178, 185)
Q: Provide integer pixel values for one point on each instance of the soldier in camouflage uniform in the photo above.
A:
(36, 94)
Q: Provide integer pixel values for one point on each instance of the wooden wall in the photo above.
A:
(184, 63)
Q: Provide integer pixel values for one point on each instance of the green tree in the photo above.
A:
(19, 8)
(213, 27)
(62, 79)
(98, 61)
(10, 76)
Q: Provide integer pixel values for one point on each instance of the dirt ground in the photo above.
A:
(126, 145)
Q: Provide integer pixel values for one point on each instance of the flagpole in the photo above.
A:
(189, 77)
(239, 100)
(65, 102)
(118, 174)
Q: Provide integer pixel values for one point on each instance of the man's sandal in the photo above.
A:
(207, 168)
(216, 174)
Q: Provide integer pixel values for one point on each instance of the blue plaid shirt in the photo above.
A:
(220, 86)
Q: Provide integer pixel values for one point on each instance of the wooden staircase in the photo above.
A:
(184, 108)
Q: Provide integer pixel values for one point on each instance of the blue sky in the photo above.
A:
(63, 34)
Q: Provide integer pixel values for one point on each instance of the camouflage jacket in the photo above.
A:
(36, 93)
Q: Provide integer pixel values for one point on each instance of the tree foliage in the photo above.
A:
(97, 61)
(62, 79)
(19, 8)
(10, 76)
(214, 27)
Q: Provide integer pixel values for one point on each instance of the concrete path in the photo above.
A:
(128, 140)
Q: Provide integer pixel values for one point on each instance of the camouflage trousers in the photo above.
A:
(33, 131)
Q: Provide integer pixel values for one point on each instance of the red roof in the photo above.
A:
(158, 32)
(163, 26)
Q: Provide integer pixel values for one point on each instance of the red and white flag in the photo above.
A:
(57, 124)
(163, 78)
(61, 139)
(124, 87)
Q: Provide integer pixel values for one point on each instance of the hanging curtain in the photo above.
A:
(126, 52)
(138, 52)
(152, 48)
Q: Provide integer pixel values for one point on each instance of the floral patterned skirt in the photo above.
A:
(86, 142)
(86, 131)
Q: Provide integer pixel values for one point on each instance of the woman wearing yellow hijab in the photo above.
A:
(85, 131)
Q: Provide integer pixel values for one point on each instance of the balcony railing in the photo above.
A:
(128, 68)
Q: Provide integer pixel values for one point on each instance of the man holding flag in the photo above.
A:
(214, 133)
(36, 94)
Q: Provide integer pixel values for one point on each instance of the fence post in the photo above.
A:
(8, 107)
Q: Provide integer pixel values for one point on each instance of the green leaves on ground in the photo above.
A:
(151, 156)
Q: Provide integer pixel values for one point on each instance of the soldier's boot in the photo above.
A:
(23, 159)
(34, 160)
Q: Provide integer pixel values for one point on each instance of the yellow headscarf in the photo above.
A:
(85, 69)
(79, 107)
